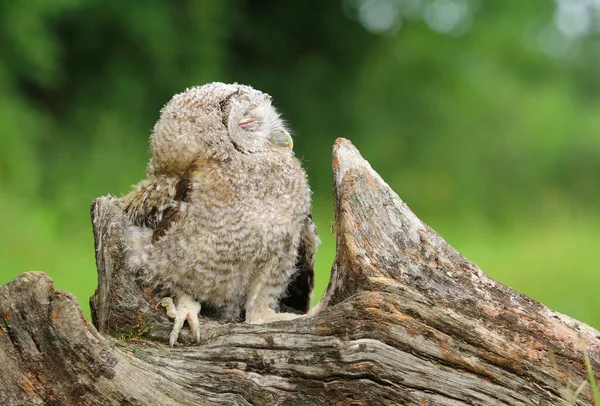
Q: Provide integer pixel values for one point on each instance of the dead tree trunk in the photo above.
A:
(406, 319)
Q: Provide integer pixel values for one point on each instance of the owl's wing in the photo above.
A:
(301, 285)
(156, 203)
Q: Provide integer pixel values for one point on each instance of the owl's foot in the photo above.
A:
(187, 309)
(270, 316)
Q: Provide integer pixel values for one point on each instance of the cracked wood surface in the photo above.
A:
(406, 319)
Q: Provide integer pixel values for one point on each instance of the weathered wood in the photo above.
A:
(405, 320)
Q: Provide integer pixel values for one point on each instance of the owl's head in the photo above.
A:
(218, 121)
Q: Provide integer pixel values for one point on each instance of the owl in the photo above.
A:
(223, 217)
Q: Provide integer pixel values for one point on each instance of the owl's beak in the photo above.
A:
(282, 139)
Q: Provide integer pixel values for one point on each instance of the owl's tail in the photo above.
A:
(137, 253)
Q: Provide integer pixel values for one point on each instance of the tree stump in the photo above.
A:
(406, 320)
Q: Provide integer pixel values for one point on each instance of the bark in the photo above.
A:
(406, 319)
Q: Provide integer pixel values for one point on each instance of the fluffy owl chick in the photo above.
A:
(223, 216)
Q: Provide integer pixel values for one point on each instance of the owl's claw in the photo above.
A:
(187, 309)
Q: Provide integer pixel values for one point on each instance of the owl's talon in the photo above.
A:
(169, 306)
(187, 309)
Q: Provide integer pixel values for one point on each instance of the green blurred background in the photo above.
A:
(484, 116)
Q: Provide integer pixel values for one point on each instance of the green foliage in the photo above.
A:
(492, 138)
(592, 379)
(138, 332)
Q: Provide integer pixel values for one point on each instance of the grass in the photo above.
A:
(592, 379)
(565, 382)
